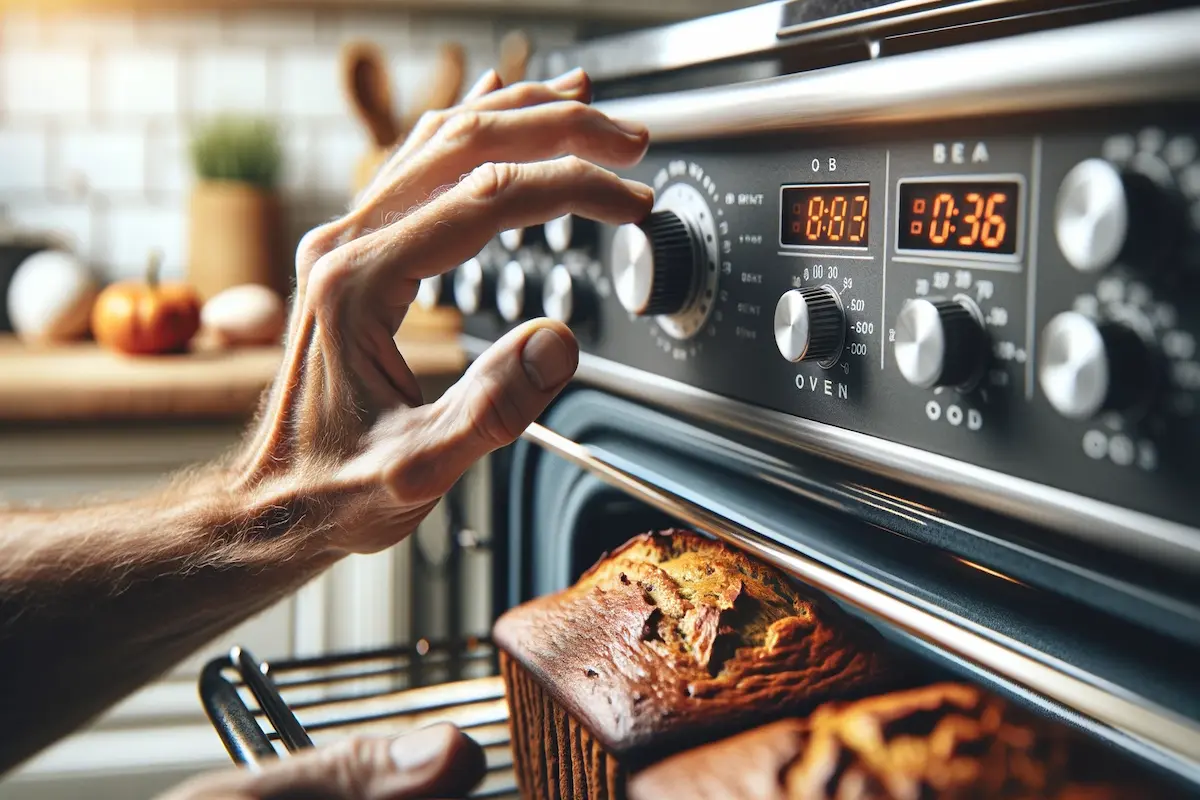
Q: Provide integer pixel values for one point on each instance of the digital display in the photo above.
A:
(829, 215)
(959, 216)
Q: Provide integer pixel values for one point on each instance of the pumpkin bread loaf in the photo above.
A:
(670, 641)
(948, 741)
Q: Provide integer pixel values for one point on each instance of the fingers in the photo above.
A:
(439, 761)
(506, 389)
(536, 133)
(488, 82)
(573, 85)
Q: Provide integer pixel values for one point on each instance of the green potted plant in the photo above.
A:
(235, 234)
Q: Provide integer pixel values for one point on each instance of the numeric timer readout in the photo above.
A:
(825, 215)
(958, 216)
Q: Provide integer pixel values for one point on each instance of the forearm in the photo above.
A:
(94, 602)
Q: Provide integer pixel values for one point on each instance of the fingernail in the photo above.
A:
(629, 127)
(485, 80)
(417, 750)
(568, 80)
(547, 359)
(638, 188)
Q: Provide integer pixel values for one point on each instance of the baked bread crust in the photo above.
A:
(947, 741)
(675, 639)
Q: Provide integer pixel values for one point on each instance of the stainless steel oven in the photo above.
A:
(915, 319)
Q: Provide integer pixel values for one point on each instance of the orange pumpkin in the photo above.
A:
(145, 318)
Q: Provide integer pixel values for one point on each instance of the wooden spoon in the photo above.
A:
(366, 82)
(514, 57)
(446, 85)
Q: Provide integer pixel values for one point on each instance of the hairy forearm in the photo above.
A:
(96, 601)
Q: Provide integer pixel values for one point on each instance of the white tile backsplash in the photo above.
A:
(103, 161)
(96, 110)
(22, 160)
(310, 84)
(138, 83)
(46, 82)
(134, 231)
(225, 81)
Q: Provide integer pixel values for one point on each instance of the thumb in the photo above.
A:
(506, 389)
(439, 761)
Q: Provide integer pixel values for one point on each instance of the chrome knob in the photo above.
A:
(435, 291)
(471, 285)
(1086, 367)
(939, 343)
(655, 264)
(810, 325)
(518, 292)
(511, 239)
(563, 233)
(563, 298)
(1091, 217)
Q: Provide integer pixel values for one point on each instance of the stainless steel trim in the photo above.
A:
(741, 32)
(1140, 59)
(1163, 731)
(1139, 534)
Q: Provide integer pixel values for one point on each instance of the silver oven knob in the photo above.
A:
(564, 298)
(472, 287)
(568, 231)
(1086, 367)
(655, 264)
(1091, 217)
(810, 325)
(435, 291)
(939, 343)
(518, 292)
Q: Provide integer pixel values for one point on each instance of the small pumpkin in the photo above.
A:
(144, 318)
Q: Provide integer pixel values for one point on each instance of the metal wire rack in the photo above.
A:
(307, 702)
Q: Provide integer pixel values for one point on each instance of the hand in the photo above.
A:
(435, 762)
(346, 442)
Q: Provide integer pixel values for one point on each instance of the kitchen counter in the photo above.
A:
(82, 382)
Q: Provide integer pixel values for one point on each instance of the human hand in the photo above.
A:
(435, 762)
(346, 443)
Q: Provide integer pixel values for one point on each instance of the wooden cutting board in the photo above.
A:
(83, 382)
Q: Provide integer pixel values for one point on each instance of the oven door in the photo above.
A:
(1100, 643)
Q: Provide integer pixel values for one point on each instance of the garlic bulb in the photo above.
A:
(50, 298)
(245, 315)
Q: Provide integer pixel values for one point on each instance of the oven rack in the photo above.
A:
(313, 701)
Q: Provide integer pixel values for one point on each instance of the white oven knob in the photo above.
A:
(567, 232)
(563, 297)
(655, 264)
(1086, 367)
(518, 292)
(1091, 217)
(810, 325)
(472, 287)
(939, 343)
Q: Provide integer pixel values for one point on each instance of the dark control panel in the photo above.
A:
(1021, 296)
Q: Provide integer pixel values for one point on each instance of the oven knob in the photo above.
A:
(1103, 214)
(1087, 367)
(810, 325)
(655, 264)
(939, 342)
(518, 292)
(568, 231)
(436, 291)
(564, 298)
(514, 239)
(472, 286)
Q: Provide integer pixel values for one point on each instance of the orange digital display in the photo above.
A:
(965, 217)
(831, 215)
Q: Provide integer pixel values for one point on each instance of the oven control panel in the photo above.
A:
(1022, 298)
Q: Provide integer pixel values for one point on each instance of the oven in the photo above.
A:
(915, 320)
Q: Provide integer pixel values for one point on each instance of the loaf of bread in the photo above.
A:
(670, 641)
(948, 741)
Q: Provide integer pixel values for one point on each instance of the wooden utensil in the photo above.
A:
(514, 57)
(367, 85)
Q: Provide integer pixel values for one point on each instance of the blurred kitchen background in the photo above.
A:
(203, 139)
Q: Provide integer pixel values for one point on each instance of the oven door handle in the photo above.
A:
(1160, 734)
